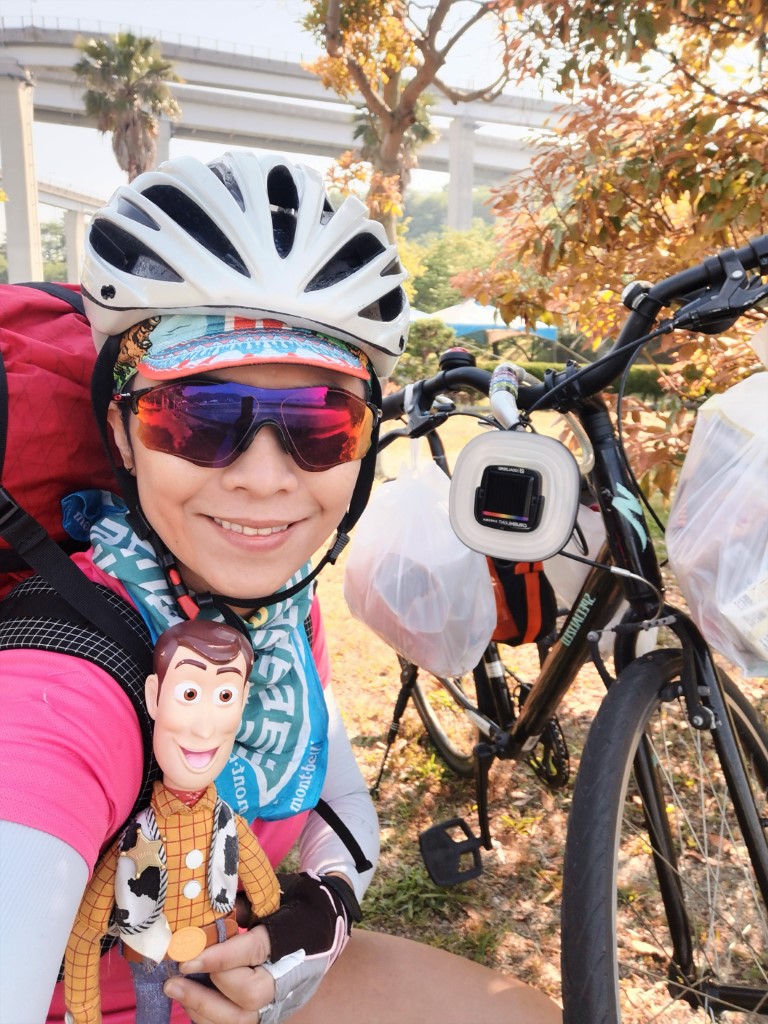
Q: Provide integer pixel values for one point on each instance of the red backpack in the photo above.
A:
(49, 444)
(49, 447)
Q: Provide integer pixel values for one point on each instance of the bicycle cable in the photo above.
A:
(618, 571)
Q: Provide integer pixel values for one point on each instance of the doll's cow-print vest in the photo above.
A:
(138, 906)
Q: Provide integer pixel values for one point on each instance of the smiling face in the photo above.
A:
(244, 529)
(197, 710)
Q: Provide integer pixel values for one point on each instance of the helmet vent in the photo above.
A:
(126, 209)
(224, 173)
(283, 198)
(283, 231)
(385, 309)
(328, 212)
(197, 224)
(125, 252)
(354, 254)
(394, 267)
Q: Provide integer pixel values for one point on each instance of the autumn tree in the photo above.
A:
(662, 160)
(444, 256)
(127, 91)
(384, 56)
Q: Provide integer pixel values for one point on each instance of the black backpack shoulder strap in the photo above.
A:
(75, 299)
(38, 549)
(34, 616)
(332, 819)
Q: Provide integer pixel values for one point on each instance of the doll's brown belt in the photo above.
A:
(209, 931)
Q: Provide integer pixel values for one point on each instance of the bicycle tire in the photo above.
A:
(615, 942)
(449, 730)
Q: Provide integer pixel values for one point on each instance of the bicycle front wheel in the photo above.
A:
(451, 731)
(623, 945)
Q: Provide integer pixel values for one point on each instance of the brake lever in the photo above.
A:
(420, 421)
(711, 314)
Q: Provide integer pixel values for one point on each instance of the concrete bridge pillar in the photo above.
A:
(461, 159)
(165, 132)
(25, 259)
(74, 232)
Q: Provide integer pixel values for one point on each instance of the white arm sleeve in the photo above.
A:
(42, 881)
(320, 849)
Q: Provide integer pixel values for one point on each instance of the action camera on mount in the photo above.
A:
(514, 495)
(509, 498)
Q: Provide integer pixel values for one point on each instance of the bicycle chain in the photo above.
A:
(549, 759)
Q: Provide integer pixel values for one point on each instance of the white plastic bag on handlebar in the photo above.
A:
(412, 581)
(717, 536)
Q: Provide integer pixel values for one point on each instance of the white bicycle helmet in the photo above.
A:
(253, 235)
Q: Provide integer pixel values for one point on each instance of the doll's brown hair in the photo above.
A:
(214, 641)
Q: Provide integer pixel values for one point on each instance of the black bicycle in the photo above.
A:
(665, 892)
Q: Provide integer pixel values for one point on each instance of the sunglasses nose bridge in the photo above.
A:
(256, 425)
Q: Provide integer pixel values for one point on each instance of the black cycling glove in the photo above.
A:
(316, 914)
(306, 935)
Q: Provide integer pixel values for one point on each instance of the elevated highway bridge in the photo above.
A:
(231, 98)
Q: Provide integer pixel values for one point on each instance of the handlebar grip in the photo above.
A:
(711, 271)
(754, 255)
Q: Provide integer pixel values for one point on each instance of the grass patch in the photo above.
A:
(407, 893)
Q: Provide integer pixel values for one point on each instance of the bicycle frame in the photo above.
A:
(628, 547)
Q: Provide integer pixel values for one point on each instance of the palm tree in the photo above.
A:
(127, 90)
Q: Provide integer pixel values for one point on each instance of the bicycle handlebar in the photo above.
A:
(716, 292)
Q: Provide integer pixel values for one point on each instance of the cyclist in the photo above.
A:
(245, 326)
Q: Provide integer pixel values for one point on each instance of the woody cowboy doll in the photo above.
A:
(169, 882)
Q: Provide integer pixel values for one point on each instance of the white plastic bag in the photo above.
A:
(567, 575)
(412, 581)
(717, 536)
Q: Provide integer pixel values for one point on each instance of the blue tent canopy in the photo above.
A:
(471, 317)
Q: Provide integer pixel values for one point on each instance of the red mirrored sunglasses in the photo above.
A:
(211, 422)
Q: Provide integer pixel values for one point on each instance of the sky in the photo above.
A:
(82, 159)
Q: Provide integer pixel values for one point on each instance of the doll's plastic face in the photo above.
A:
(197, 714)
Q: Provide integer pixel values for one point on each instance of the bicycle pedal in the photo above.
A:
(445, 857)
